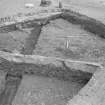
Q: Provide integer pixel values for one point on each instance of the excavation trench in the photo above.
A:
(42, 83)
(40, 77)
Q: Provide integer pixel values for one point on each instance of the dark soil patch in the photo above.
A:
(31, 41)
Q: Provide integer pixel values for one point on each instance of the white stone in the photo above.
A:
(29, 5)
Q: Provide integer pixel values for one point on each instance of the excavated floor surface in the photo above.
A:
(38, 90)
(82, 44)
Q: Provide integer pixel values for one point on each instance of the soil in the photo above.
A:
(40, 90)
(49, 40)
(31, 41)
(18, 87)
(82, 44)
(22, 77)
(91, 8)
(2, 81)
(12, 41)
